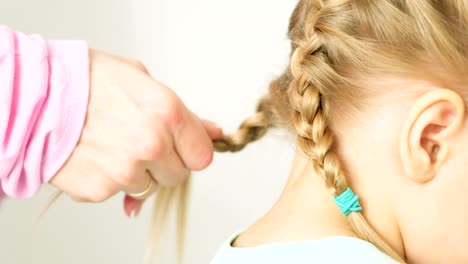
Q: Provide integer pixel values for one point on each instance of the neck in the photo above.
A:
(307, 194)
(306, 190)
(305, 211)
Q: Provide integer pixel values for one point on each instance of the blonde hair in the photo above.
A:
(338, 48)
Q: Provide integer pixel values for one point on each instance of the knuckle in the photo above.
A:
(124, 179)
(126, 175)
(141, 66)
(152, 147)
(137, 64)
(173, 111)
(169, 111)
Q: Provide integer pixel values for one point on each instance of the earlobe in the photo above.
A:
(425, 139)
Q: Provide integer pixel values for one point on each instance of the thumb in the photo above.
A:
(213, 130)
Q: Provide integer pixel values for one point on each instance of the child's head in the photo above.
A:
(376, 92)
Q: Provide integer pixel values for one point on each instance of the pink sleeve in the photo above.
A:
(44, 87)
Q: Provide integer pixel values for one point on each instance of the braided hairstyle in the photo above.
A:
(314, 75)
(302, 89)
(338, 47)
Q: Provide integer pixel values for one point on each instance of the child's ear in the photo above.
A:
(426, 136)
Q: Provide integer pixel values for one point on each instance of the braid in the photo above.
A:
(252, 129)
(312, 76)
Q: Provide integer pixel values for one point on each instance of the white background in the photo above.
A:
(219, 56)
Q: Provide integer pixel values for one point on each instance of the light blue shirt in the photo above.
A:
(332, 250)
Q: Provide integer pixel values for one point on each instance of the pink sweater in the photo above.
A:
(44, 88)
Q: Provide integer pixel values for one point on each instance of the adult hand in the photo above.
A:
(137, 134)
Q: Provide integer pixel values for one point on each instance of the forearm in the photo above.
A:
(44, 88)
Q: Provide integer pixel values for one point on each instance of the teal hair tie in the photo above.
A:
(348, 202)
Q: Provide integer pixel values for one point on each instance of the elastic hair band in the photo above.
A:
(348, 202)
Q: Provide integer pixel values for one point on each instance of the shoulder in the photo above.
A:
(331, 250)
